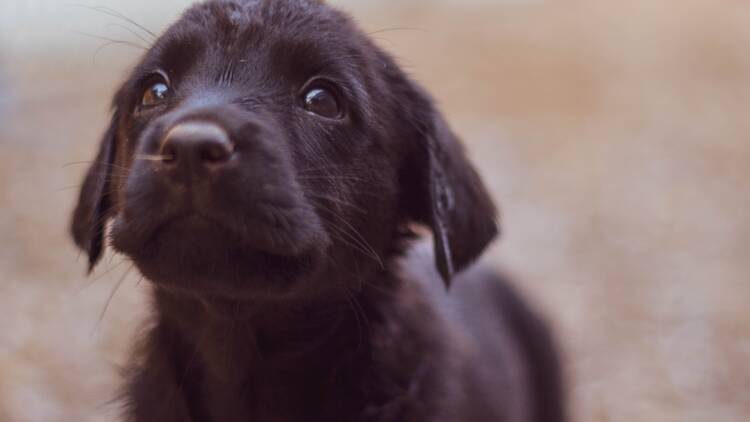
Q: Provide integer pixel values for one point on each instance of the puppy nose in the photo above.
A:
(196, 145)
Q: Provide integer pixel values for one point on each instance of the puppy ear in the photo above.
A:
(446, 193)
(94, 203)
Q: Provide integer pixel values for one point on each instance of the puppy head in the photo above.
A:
(262, 146)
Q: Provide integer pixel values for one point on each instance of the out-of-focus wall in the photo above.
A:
(614, 135)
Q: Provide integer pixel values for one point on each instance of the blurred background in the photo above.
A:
(613, 134)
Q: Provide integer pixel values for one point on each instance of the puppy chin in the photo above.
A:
(194, 254)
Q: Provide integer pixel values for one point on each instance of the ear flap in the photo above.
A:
(94, 204)
(447, 194)
(463, 217)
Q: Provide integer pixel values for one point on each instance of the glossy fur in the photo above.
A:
(284, 289)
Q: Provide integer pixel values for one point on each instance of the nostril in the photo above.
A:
(215, 152)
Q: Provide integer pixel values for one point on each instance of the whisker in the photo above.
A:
(112, 40)
(109, 177)
(135, 34)
(354, 246)
(112, 294)
(380, 289)
(386, 40)
(110, 174)
(333, 178)
(115, 14)
(100, 276)
(352, 303)
(69, 188)
(355, 236)
(380, 31)
(147, 157)
(76, 163)
(335, 200)
(359, 235)
(101, 48)
(321, 168)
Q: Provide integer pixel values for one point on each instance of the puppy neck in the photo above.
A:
(235, 339)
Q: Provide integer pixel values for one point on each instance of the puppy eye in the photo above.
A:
(323, 102)
(156, 93)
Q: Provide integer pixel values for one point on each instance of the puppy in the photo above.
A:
(265, 167)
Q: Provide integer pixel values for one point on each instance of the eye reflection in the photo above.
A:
(155, 94)
(322, 102)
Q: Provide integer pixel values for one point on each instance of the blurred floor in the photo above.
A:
(613, 134)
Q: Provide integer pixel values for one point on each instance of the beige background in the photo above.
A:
(614, 134)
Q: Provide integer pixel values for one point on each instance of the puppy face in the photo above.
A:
(268, 148)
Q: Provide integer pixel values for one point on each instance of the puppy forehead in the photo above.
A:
(225, 24)
(294, 34)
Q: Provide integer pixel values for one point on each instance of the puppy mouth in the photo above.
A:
(269, 230)
(205, 254)
(190, 226)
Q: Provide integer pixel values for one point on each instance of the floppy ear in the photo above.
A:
(446, 193)
(94, 204)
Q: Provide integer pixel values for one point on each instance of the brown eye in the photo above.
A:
(323, 103)
(155, 94)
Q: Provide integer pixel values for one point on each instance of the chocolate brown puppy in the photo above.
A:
(265, 168)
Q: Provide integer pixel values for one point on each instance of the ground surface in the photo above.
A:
(613, 134)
